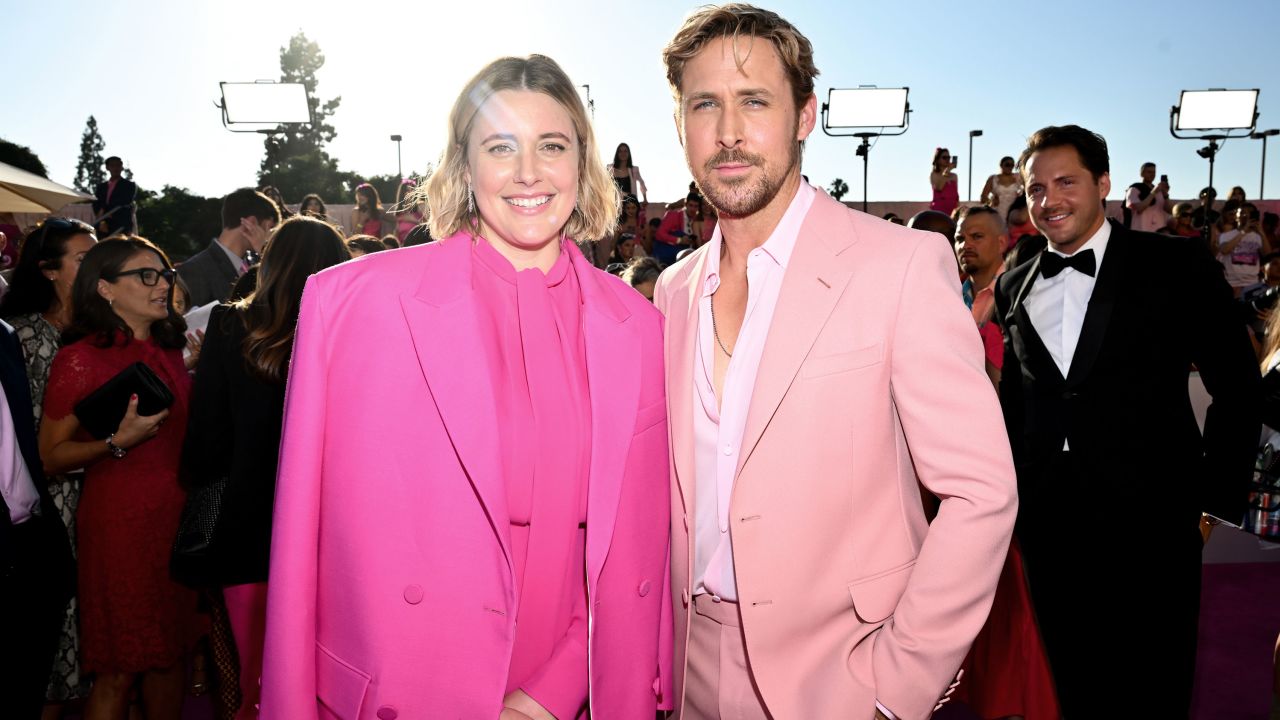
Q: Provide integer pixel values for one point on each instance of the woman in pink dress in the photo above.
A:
(367, 217)
(471, 521)
(408, 210)
(135, 623)
(943, 181)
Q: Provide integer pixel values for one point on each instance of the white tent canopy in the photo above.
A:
(24, 192)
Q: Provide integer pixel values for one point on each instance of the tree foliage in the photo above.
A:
(89, 171)
(838, 188)
(296, 161)
(179, 221)
(21, 156)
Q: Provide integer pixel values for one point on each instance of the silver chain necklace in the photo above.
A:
(715, 331)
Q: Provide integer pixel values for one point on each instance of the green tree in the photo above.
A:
(296, 161)
(21, 156)
(179, 221)
(89, 172)
(839, 188)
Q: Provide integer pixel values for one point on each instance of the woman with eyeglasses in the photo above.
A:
(135, 622)
(38, 306)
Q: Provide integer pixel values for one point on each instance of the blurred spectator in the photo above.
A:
(1146, 204)
(981, 240)
(945, 184)
(237, 403)
(390, 242)
(650, 234)
(367, 217)
(248, 217)
(679, 230)
(1002, 188)
(271, 192)
(363, 245)
(642, 274)
(1204, 215)
(1183, 222)
(135, 622)
(420, 235)
(1018, 220)
(626, 175)
(313, 206)
(1271, 230)
(934, 221)
(893, 218)
(1241, 248)
(9, 253)
(1236, 195)
(38, 307)
(114, 205)
(408, 209)
(35, 556)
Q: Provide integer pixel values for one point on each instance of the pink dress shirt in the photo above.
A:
(718, 430)
(544, 420)
(16, 484)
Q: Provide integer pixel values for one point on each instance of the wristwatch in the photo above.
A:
(116, 451)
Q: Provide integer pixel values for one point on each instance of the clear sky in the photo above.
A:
(149, 71)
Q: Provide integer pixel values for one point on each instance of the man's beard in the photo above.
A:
(741, 197)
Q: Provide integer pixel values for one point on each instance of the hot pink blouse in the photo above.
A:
(534, 321)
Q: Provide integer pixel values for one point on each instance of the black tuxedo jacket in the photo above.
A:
(123, 198)
(1160, 305)
(46, 541)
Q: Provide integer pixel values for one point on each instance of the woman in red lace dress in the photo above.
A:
(134, 619)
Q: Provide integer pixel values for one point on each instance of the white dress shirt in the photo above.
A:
(718, 431)
(16, 485)
(1057, 305)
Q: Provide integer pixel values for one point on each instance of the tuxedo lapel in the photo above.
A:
(613, 351)
(1033, 347)
(454, 360)
(817, 273)
(1101, 306)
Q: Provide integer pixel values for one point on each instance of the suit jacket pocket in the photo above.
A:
(650, 416)
(340, 687)
(876, 597)
(843, 362)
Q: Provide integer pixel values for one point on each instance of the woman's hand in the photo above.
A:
(136, 429)
(194, 342)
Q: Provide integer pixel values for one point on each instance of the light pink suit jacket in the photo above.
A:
(391, 589)
(871, 383)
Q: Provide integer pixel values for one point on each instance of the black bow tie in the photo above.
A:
(1052, 263)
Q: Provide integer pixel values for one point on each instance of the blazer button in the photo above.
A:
(643, 589)
(386, 712)
(413, 596)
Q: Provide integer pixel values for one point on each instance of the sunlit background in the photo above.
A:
(149, 72)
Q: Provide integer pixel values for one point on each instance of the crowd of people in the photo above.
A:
(762, 456)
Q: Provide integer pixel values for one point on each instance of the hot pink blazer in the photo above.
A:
(871, 383)
(391, 592)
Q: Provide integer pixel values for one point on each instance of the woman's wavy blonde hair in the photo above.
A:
(446, 191)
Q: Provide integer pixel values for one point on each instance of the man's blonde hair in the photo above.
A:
(446, 191)
(736, 20)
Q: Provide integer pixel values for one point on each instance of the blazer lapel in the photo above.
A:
(1101, 307)
(455, 365)
(1032, 344)
(682, 342)
(613, 351)
(817, 273)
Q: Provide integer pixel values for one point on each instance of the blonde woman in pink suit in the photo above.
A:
(471, 513)
(821, 368)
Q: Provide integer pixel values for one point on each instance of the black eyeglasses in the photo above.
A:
(149, 276)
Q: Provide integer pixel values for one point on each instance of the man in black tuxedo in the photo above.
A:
(114, 205)
(1101, 330)
(37, 572)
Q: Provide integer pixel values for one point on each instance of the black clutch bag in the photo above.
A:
(102, 410)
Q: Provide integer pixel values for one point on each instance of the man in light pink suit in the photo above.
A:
(820, 369)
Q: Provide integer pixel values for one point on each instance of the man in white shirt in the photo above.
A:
(1113, 473)
(1147, 204)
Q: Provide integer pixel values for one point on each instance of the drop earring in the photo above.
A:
(471, 200)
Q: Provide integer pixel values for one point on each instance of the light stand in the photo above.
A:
(1216, 109)
(399, 170)
(866, 106)
(1263, 135)
(972, 134)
